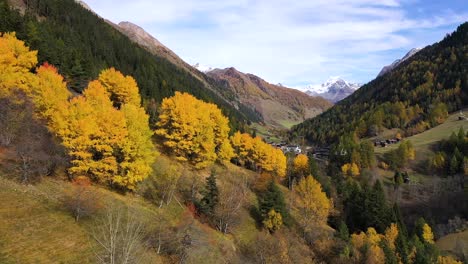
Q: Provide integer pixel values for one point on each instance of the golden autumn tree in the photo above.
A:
(50, 95)
(274, 221)
(105, 130)
(16, 62)
(427, 234)
(138, 151)
(301, 166)
(193, 130)
(391, 234)
(255, 153)
(447, 260)
(122, 89)
(370, 241)
(350, 169)
(311, 204)
(375, 255)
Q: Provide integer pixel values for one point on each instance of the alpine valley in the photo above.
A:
(113, 149)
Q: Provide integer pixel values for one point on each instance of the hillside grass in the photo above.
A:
(424, 141)
(455, 244)
(36, 228)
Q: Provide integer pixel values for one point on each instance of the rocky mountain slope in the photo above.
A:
(397, 62)
(334, 89)
(278, 105)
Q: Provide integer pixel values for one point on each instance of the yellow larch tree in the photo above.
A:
(350, 169)
(375, 255)
(311, 204)
(274, 221)
(193, 130)
(138, 151)
(110, 131)
(447, 260)
(16, 62)
(280, 163)
(427, 234)
(301, 165)
(122, 89)
(50, 95)
(391, 234)
(255, 153)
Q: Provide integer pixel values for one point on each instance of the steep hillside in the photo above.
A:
(82, 44)
(413, 97)
(277, 105)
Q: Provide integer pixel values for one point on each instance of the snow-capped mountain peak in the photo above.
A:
(334, 89)
(202, 68)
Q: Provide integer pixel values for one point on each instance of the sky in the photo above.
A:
(295, 43)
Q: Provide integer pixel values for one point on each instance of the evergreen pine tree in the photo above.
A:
(210, 196)
(454, 167)
(378, 215)
(272, 198)
(343, 231)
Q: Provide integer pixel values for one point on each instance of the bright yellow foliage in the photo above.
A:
(137, 149)
(371, 237)
(107, 132)
(391, 234)
(427, 234)
(274, 221)
(301, 165)
(50, 95)
(16, 61)
(447, 260)
(375, 255)
(193, 130)
(255, 152)
(122, 89)
(107, 144)
(350, 169)
(311, 203)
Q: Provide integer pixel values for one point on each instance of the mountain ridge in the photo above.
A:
(334, 89)
(276, 104)
(397, 62)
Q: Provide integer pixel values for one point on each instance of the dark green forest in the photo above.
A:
(81, 44)
(414, 97)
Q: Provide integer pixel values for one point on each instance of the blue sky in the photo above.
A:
(295, 43)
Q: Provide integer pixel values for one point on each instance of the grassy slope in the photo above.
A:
(456, 244)
(423, 141)
(34, 227)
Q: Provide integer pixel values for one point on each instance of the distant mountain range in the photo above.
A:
(397, 62)
(277, 105)
(274, 105)
(334, 89)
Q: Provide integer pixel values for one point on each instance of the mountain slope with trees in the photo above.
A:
(415, 96)
(81, 44)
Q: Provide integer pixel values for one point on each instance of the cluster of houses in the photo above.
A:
(288, 148)
(385, 143)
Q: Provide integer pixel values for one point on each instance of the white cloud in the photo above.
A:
(282, 41)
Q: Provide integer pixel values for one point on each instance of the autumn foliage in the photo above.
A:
(193, 130)
(311, 204)
(255, 153)
(105, 131)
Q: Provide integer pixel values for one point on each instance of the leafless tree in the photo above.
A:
(119, 236)
(231, 200)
